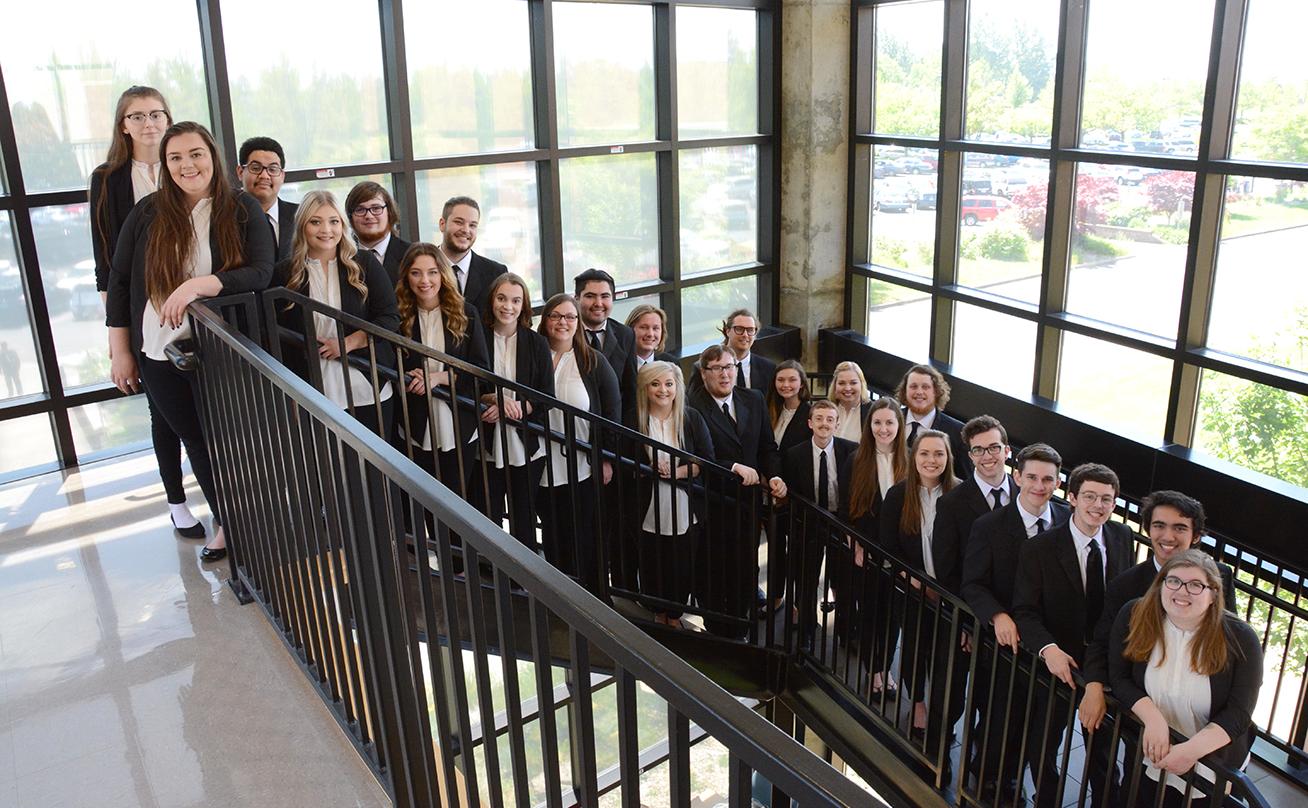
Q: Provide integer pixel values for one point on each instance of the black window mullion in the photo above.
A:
(545, 105)
(395, 77)
(668, 164)
(214, 48)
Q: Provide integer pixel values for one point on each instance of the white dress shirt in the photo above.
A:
(431, 324)
(325, 287)
(929, 498)
(666, 497)
(848, 424)
(155, 336)
(274, 216)
(1029, 519)
(783, 421)
(927, 421)
(145, 179)
(986, 488)
(378, 249)
(461, 269)
(832, 498)
(730, 401)
(1181, 695)
(1082, 542)
(885, 472)
(505, 365)
(743, 366)
(568, 388)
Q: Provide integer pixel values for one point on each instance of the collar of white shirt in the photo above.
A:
(1029, 519)
(830, 448)
(727, 401)
(926, 421)
(465, 263)
(1082, 541)
(985, 488)
(380, 246)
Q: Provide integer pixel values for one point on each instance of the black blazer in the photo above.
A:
(1049, 600)
(127, 298)
(797, 468)
(390, 262)
(797, 431)
(601, 386)
(749, 440)
(534, 369)
(1132, 584)
(476, 288)
(907, 547)
(116, 188)
(762, 373)
(286, 225)
(951, 426)
(868, 524)
(1233, 692)
(956, 512)
(620, 351)
(991, 556)
(379, 309)
(470, 349)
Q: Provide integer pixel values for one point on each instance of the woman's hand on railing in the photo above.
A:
(329, 348)
(858, 551)
(1156, 740)
(174, 308)
(606, 472)
(1006, 632)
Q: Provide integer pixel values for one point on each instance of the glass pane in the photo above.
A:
(1260, 300)
(898, 319)
(704, 307)
(719, 207)
(339, 186)
(610, 216)
(717, 61)
(65, 67)
(18, 367)
(1002, 241)
(1010, 70)
(994, 349)
(313, 81)
(604, 69)
(906, 88)
(1092, 376)
(116, 425)
(1128, 246)
(623, 307)
(25, 443)
(63, 244)
(903, 184)
(509, 230)
(1144, 91)
(473, 93)
(1253, 425)
(1269, 122)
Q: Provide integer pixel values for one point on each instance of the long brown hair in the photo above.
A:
(172, 237)
(449, 298)
(524, 316)
(1209, 649)
(775, 402)
(863, 480)
(121, 149)
(585, 354)
(910, 519)
(345, 249)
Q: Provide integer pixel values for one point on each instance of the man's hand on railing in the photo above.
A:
(778, 487)
(1060, 664)
(1093, 706)
(1006, 632)
(747, 475)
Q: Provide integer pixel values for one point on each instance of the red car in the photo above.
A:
(982, 208)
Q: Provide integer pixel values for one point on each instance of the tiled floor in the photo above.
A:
(130, 676)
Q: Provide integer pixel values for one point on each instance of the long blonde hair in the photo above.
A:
(449, 298)
(345, 249)
(1209, 648)
(644, 376)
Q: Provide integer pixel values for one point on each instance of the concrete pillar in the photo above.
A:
(815, 164)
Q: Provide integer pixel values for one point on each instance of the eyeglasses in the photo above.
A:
(371, 210)
(555, 317)
(995, 449)
(743, 331)
(720, 368)
(256, 169)
(138, 118)
(1193, 587)
(1090, 499)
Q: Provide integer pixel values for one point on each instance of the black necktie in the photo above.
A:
(824, 501)
(1040, 526)
(459, 276)
(740, 375)
(593, 338)
(726, 410)
(1094, 589)
(998, 494)
(912, 433)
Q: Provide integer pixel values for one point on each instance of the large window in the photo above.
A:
(637, 136)
(1095, 191)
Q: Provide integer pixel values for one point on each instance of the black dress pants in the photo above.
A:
(175, 395)
(167, 452)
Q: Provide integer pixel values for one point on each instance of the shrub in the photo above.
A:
(1004, 243)
(1087, 245)
(888, 252)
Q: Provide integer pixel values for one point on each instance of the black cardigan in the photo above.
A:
(117, 205)
(534, 369)
(694, 439)
(127, 298)
(1234, 691)
(797, 431)
(602, 389)
(379, 309)
(470, 349)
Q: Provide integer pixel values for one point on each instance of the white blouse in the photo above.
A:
(155, 336)
(847, 423)
(325, 287)
(145, 179)
(666, 497)
(885, 471)
(568, 388)
(1181, 695)
(506, 366)
(929, 498)
(431, 324)
(783, 421)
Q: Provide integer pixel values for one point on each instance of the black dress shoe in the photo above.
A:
(213, 554)
(195, 531)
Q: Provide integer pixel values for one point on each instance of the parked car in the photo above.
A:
(891, 200)
(982, 208)
(927, 201)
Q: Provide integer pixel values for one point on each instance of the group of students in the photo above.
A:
(933, 492)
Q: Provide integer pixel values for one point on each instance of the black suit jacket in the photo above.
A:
(1132, 584)
(534, 369)
(390, 261)
(991, 555)
(476, 288)
(869, 523)
(116, 189)
(951, 426)
(1049, 601)
(749, 440)
(620, 351)
(471, 349)
(904, 545)
(379, 309)
(1233, 693)
(797, 431)
(956, 512)
(127, 298)
(286, 225)
(797, 468)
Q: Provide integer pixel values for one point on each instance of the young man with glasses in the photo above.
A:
(753, 372)
(375, 221)
(1061, 579)
(261, 168)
